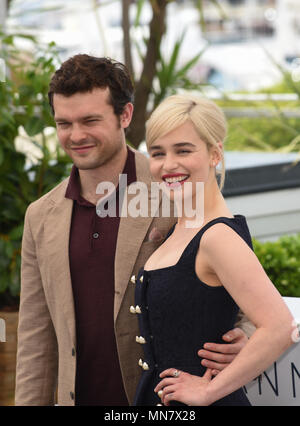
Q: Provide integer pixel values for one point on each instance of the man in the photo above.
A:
(76, 334)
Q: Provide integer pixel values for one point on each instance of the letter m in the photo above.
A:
(153, 415)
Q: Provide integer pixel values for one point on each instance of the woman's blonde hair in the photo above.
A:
(207, 118)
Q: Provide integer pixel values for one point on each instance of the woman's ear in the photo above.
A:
(216, 154)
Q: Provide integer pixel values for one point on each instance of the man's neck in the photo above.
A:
(109, 172)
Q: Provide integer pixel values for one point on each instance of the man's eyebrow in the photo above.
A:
(60, 119)
(177, 145)
(88, 117)
(84, 118)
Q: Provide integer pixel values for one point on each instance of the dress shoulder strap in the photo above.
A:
(238, 223)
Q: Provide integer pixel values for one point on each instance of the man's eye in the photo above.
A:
(91, 121)
(62, 124)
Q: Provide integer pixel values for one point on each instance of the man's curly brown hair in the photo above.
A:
(83, 73)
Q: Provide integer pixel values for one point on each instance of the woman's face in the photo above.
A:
(181, 156)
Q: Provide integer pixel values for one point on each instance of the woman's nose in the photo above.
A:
(170, 163)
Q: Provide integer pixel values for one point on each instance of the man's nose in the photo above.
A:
(77, 134)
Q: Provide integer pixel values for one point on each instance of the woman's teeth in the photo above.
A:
(176, 179)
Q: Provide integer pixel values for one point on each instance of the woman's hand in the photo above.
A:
(184, 387)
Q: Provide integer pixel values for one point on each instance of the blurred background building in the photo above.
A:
(244, 44)
(241, 34)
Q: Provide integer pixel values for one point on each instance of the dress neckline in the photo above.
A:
(238, 216)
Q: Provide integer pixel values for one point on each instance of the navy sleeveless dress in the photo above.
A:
(178, 313)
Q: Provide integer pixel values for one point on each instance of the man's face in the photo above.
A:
(87, 128)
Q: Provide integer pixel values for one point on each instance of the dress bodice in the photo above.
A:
(178, 313)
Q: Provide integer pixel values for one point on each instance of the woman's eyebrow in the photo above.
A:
(153, 147)
(177, 144)
(180, 144)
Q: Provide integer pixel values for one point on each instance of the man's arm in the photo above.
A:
(36, 374)
(218, 356)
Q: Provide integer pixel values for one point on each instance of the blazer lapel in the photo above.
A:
(57, 230)
(132, 232)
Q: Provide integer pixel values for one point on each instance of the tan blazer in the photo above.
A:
(46, 358)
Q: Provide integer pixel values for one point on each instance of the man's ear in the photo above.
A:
(126, 115)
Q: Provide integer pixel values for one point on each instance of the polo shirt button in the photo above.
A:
(72, 395)
(95, 235)
(73, 352)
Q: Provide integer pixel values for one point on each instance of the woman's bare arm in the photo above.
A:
(239, 270)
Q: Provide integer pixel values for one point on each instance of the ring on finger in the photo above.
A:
(176, 373)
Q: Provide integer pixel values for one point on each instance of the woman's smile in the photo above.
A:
(174, 180)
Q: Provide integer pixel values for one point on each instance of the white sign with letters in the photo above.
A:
(280, 384)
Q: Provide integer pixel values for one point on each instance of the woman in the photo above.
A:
(193, 285)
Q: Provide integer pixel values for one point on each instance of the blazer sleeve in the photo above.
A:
(245, 324)
(36, 373)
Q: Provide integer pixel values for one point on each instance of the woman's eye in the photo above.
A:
(184, 151)
(157, 154)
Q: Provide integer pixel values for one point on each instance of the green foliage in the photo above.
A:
(271, 129)
(171, 77)
(262, 134)
(23, 105)
(281, 261)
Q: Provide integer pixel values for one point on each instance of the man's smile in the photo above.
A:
(82, 149)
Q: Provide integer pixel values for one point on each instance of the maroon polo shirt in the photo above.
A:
(92, 248)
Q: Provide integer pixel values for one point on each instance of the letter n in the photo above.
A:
(294, 370)
(274, 387)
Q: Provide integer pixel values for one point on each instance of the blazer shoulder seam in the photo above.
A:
(51, 195)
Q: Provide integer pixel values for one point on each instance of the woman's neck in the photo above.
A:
(209, 205)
